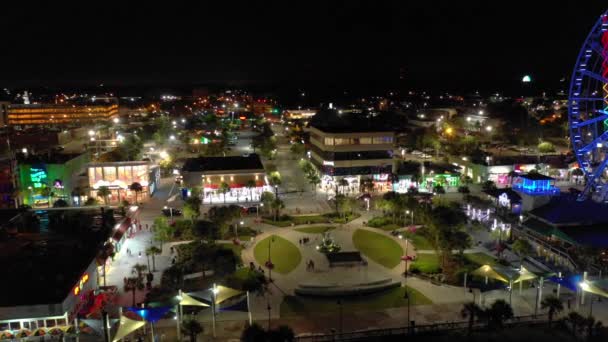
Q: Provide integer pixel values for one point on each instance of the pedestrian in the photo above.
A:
(147, 228)
(140, 254)
(171, 249)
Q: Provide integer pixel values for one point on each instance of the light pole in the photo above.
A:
(340, 315)
(214, 291)
(257, 212)
(406, 296)
(170, 211)
(270, 266)
(236, 230)
(367, 203)
(411, 213)
(268, 308)
(473, 293)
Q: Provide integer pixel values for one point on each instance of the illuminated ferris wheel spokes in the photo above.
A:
(588, 109)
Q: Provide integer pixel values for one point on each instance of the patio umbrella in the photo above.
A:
(55, 331)
(7, 335)
(23, 333)
(40, 332)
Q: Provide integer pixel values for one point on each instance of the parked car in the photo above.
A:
(172, 211)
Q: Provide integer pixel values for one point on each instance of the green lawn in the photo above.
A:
(389, 227)
(480, 259)
(284, 255)
(426, 263)
(419, 241)
(315, 230)
(287, 221)
(304, 306)
(379, 248)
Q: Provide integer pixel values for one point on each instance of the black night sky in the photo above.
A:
(484, 45)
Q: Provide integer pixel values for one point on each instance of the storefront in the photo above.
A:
(118, 178)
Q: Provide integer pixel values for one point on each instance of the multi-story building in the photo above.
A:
(60, 114)
(58, 172)
(352, 146)
(244, 176)
(119, 176)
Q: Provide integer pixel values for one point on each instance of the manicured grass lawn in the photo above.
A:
(389, 227)
(379, 248)
(480, 259)
(419, 241)
(284, 255)
(309, 219)
(315, 230)
(303, 306)
(426, 263)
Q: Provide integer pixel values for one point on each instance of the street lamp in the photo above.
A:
(236, 230)
(406, 296)
(367, 203)
(411, 213)
(214, 291)
(170, 211)
(340, 315)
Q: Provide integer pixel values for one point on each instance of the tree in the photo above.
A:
(152, 251)
(266, 198)
(576, 320)
(103, 192)
(192, 328)
(223, 189)
(90, 201)
(297, 149)
(162, 231)
(545, 147)
(498, 313)
(137, 188)
(276, 205)
(250, 184)
(274, 179)
(471, 310)
(139, 270)
(342, 183)
(133, 284)
(553, 306)
(439, 189)
(488, 185)
(60, 203)
(522, 248)
(314, 180)
(192, 208)
(253, 333)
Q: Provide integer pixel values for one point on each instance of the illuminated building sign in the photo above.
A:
(83, 280)
(37, 176)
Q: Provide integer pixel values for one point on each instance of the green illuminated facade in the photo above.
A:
(59, 174)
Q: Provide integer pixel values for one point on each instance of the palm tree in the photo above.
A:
(576, 320)
(553, 305)
(139, 270)
(152, 251)
(137, 188)
(471, 310)
(266, 198)
(192, 328)
(276, 205)
(133, 284)
(498, 313)
(342, 183)
(250, 184)
(223, 189)
(103, 192)
(314, 180)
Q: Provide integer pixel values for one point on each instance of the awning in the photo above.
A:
(595, 287)
(126, 327)
(495, 272)
(188, 300)
(524, 275)
(121, 228)
(224, 293)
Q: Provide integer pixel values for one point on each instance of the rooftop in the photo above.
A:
(567, 210)
(331, 120)
(252, 162)
(535, 176)
(47, 158)
(42, 268)
(513, 196)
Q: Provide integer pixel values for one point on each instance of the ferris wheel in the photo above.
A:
(588, 110)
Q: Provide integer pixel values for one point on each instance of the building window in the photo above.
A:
(342, 141)
(109, 173)
(383, 140)
(329, 141)
(365, 141)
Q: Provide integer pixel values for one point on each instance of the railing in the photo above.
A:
(365, 335)
(544, 244)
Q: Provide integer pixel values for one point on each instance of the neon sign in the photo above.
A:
(80, 285)
(37, 176)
